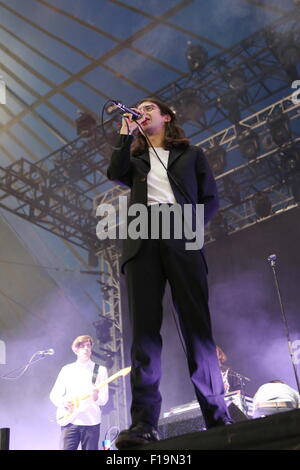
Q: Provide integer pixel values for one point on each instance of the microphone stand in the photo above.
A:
(242, 381)
(272, 260)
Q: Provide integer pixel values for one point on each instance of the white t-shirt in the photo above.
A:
(75, 380)
(276, 392)
(159, 188)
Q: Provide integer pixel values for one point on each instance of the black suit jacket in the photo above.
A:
(188, 167)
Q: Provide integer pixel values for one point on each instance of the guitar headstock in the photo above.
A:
(125, 371)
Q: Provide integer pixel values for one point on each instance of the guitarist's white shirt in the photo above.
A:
(74, 380)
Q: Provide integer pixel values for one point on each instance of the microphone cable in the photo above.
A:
(24, 368)
(187, 198)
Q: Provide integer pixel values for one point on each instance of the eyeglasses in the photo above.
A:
(147, 108)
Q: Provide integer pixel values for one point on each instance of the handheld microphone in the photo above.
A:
(47, 352)
(135, 114)
(272, 259)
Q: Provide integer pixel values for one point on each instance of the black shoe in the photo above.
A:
(221, 422)
(136, 435)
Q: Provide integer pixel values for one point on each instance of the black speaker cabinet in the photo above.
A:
(4, 438)
(180, 424)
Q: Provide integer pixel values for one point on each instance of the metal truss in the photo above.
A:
(110, 319)
(57, 192)
(260, 67)
(52, 193)
(239, 186)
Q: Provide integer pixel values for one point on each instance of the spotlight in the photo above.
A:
(267, 142)
(106, 355)
(106, 292)
(295, 187)
(279, 126)
(196, 56)
(188, 106)
(218, 227)
(286, 47)
(236, 81)
(229, 101)
(103, 330)
(262, 204)
(85, 125)
(231, 191)
(249, 144)
(290, 160)
(217, 160)
(290, 163)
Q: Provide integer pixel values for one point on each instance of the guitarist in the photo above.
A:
(78, 379)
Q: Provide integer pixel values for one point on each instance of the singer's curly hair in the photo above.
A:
(80, 340)
(174, 134)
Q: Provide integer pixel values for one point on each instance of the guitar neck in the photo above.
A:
(120, 373)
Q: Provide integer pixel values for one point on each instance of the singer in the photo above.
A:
(80, 378)
(160, 166)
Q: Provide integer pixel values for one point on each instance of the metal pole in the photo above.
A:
(272, 260)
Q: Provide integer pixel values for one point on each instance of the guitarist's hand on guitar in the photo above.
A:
(69, 405)
(95, 394)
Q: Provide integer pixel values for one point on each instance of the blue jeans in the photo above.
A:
(72, 435)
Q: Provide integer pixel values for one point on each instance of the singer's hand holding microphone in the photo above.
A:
(129, 123)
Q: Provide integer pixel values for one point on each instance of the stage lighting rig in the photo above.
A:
(103, 330)
(236, 81)
(279, 125)
(295, 187)
(85, 125)
(196, 56)
(229, 101)
(232, 190)
(248, 142)
(218, 227)
(262, 204)
(290, 160)
(290, 164)
(286, 48)
(188, 106)
(216, 157)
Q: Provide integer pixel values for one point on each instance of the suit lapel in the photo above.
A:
(174, 154)
(145, 158)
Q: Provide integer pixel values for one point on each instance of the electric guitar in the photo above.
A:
(65, 415)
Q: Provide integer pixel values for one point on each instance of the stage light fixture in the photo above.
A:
(290, 160)
(103, 330)
(229, 101)
(216, 157)
(236, 81)
(232, 190)
(218, 227)
(279, 125)
(262, 204)
(267, 143)
(196, 56)
(248, 142)
(295, 187)
(85, 125)
(188, 106)
(286, 47)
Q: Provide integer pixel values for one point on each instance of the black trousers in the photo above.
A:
(72, 435)
(146, 276)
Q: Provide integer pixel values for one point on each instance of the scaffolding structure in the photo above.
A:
(57, 192)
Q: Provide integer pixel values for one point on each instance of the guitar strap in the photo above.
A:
(95, 373)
